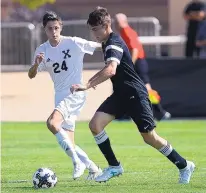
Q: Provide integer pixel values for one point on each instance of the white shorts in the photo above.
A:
(70, 106)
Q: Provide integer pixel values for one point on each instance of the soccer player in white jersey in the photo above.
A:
(63, 57)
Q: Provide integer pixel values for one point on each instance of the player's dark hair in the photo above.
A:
(51, 16)
(99, 16)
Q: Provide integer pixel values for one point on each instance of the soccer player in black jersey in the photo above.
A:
(129, 96)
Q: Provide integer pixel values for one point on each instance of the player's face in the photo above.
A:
(53, 30)
(99, 32)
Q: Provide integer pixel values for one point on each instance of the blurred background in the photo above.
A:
(176, 69)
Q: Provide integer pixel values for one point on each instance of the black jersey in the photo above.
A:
(126, 78)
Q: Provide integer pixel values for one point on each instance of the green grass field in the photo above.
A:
(28, 146)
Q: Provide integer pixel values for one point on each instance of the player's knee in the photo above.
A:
(147, 140)
(96, 126)
(99, 121)
(51, 123)
(150, 138)
(93, 126)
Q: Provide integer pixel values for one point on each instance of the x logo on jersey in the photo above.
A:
(66, 54)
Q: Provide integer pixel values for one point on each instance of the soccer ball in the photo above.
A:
(44, 178)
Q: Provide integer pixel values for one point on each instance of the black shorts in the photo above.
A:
(141, 67)
(137, 107)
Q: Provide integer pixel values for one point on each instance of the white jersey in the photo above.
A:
(65, 61)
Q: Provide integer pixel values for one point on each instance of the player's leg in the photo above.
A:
(69, 126)
(103, 116)
(145, 122)
(94, 170)
(185, 167)
(66, 104)
(74, 103)
(99, 121)
(71, 106)
(54, 125)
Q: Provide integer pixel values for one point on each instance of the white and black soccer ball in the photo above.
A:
(44, 178)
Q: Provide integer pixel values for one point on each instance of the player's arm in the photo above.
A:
(113, 57)
(98, 47)
(34, 69)
(90, 45)
(86, 46)
(107, 72)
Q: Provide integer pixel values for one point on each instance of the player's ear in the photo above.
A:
(106, 26)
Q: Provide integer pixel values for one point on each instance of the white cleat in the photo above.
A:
(110, 172)
(93, 174)
(78, 170)
(186, 173)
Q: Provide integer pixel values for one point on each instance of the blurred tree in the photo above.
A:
(34, 4)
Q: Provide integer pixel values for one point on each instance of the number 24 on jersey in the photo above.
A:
(59, 67)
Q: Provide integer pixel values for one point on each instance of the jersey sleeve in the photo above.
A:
(42, 65)
(86, 46)
(113, 52)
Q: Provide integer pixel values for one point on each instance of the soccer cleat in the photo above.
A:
(93, 174)
(186, 173)
(110, 172)
(78, 170)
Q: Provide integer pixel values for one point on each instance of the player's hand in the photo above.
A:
(78, 87)
(90, 80)
(39, 58)
(94, 87)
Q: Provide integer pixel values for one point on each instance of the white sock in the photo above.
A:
(166, 150)
(83, 156)
(85, 159)
(67, 146)
(101, 137)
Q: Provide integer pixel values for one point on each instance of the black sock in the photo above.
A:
(173, 156)
(105, 147)
(158, 108)
(177, 159)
